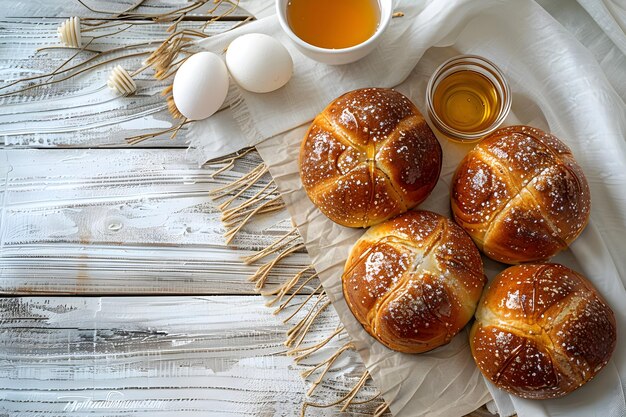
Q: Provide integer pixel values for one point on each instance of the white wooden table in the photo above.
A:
(119, 293)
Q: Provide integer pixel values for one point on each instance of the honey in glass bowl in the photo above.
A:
(333, 24)
(468, 98)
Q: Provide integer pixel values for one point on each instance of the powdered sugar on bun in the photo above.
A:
(542, 331)
(369, 156)
(520, 195)
(414, 281)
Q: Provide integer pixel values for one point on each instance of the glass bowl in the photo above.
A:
(489, 71)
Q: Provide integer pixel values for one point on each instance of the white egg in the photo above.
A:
(200, 85)
(259, 63)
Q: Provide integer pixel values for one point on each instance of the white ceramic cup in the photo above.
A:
(336, 56)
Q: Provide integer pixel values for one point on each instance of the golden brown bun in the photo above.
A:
(368, 157)
(413, 281)
(520, 195)
(542, 331)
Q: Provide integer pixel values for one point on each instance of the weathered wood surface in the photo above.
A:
(34, 9)
(81, 111)
(156, 356)
(107, 221)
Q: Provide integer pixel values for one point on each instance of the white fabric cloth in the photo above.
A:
(566, 64)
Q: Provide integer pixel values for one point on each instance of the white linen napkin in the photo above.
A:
(567, 70)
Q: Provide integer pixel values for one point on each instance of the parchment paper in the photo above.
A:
(444, 382)
(557, 86)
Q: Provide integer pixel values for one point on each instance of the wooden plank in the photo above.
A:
(67, 8)
(81, 111)
(164, 356)
(125, 221)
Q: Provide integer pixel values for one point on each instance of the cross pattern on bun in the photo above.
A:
(413, 282)
(520, 195)
(542, 331)
(369, 156)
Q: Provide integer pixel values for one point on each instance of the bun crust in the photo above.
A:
(413, 281)
(542, 331)
(369, 156)
(520, 195)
